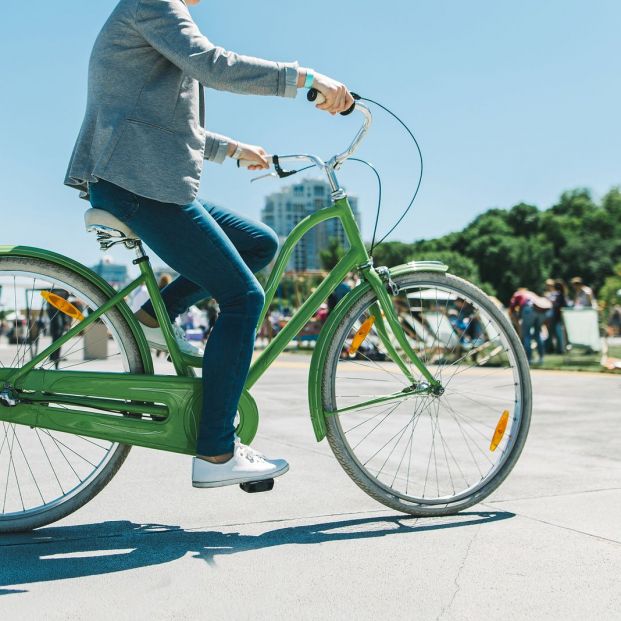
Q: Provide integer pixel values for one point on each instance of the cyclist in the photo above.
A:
(139, 156)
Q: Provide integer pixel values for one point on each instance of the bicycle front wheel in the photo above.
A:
(45, 475)
(415, 451)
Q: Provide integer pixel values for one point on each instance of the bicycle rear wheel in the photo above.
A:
(412, 450)
(46, 475)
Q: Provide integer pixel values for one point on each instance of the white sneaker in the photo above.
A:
(246, 465)
(155, 338)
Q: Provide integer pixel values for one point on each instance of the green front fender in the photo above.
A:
(95, 280)
(327, 335)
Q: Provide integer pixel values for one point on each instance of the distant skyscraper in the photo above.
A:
(284, 209)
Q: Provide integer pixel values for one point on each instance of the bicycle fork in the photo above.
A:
(387, 321)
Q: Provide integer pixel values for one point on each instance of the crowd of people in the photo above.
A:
(538, 318)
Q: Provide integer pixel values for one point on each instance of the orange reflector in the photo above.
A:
(362, 334)
(62, 305)
(500, 430)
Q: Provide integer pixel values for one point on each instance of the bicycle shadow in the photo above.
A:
(60, 553)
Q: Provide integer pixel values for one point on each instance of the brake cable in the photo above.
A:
(420, 177)
(379, 196)
(286, 173)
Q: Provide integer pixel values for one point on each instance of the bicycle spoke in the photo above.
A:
(56, 441)
(395, 446)
(399, 378)
(441, 449)
(368, 419)
(42, 469)
(466, 434)
(376, 426)
(8, 472)
(386, 443)
(50, 462)
(29, 468)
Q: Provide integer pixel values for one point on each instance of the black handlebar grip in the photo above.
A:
(313, 95)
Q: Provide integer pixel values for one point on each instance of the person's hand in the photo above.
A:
(338, 97)
(251, 153)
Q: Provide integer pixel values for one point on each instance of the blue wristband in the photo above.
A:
(310, 78)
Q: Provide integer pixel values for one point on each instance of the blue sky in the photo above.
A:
(510, 101)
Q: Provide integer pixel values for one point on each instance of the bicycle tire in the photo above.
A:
(115, 454)
(337, 436)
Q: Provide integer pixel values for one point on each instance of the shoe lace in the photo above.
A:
(248, 452)
(180, 335)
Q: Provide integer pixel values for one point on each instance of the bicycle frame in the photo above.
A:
(174, 402)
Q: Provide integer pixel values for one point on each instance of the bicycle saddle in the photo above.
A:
(99, 219)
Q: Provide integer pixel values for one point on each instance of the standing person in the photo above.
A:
(614, 318)
(58, 323)
(549, 293)
(583, 296)
(557, 329)
(527, 310)
(139, 156)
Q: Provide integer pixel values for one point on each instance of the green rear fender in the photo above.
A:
(327, 335)
(95, 280)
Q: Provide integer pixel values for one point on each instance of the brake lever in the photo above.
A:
(271, 174)
(279, 171)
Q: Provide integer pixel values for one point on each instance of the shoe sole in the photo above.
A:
(265, 477)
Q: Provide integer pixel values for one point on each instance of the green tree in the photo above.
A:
(611, 204)
(524, 220)
(393, 253)
(459, 265)
(584, 236)
(608, 296)
(522, 246)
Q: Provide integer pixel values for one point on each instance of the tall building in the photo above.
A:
(284, 209)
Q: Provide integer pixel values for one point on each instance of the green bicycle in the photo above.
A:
(417, 380)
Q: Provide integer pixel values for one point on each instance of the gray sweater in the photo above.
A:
(144, 124)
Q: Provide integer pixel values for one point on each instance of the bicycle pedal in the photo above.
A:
(253, 487)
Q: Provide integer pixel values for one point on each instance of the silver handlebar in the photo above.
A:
(335, 162)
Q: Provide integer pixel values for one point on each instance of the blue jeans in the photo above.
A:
(216, 253)
(532, 322)
(559, 334)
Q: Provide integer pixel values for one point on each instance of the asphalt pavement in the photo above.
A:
(546, 545)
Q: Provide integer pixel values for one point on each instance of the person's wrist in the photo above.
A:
(310, 79)
(301, 77)
(231, 149)
(305, 76)
(235, 150)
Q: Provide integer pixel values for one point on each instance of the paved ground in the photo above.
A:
(546, 545)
